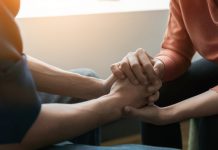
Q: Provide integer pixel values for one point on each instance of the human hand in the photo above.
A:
(151, 114)
(132, 95)
(141, 68)
(107, 83)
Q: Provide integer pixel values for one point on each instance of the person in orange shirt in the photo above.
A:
(189, 89)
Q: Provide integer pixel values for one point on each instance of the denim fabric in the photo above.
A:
(118, 147)
(19, 102)
(201, 76)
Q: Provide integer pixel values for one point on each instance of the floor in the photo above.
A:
(136, 139)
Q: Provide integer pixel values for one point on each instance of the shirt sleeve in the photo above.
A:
(177, 50)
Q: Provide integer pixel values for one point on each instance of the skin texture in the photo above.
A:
(140, 68)
(201, 105)
(67, 83)
(70, 120)
(139, 63)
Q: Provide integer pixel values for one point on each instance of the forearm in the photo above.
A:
(54, 80)
(69, 121)
(201, 105)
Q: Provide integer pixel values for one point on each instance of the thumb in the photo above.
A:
(159, 68)
(133, 112)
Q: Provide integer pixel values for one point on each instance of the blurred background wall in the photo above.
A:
(92, 41)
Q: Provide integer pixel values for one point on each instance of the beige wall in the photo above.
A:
(92, 41)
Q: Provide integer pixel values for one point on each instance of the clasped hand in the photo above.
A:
(139, 80)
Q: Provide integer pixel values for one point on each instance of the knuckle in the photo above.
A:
(156, 97)
(113, 66)
(130, 54)
(141, 78)
(124, 65)
(159, 84)
(135, 66)
(140, 50)
(146, 66)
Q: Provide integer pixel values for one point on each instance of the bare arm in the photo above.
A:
(54, 80)
(201, 105)
(69, 121)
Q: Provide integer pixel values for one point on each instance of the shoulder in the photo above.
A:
(12, 5)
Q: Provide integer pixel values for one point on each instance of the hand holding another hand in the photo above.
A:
(140, 68)
(151, 114)
(132, 95)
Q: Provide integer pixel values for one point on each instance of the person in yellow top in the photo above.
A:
(25, 124)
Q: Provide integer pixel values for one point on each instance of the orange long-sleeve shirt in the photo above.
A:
(192, 26)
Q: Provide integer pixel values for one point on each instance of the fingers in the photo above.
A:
(147, 66)
(155, 87)
(126, 68)
(137, 69)
(150, 114)
(123, 69)
(159, 68)
(116, 71)
(133, 112)
(153, 98)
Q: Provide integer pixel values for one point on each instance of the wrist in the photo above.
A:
(111, 106)
(107, 84)
(104, 86)
(169, 114)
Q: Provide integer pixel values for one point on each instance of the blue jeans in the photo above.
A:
(117, 147)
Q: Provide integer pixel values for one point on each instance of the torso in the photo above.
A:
(12, 5)
(202, 26)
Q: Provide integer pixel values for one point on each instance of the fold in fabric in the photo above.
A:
(19, 102)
